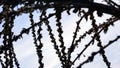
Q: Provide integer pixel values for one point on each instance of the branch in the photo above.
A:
(92, 5)
(90, 58)
(102, 8)
(96, 6)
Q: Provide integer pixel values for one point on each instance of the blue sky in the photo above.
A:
(26, 53)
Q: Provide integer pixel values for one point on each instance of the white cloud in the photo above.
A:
(26, 52)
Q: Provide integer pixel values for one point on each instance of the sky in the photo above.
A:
(26, 52)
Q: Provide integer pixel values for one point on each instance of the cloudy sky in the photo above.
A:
(26, 52)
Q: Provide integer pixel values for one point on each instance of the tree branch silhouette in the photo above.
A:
(11, 9)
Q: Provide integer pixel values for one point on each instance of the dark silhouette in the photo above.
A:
(10, 11)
